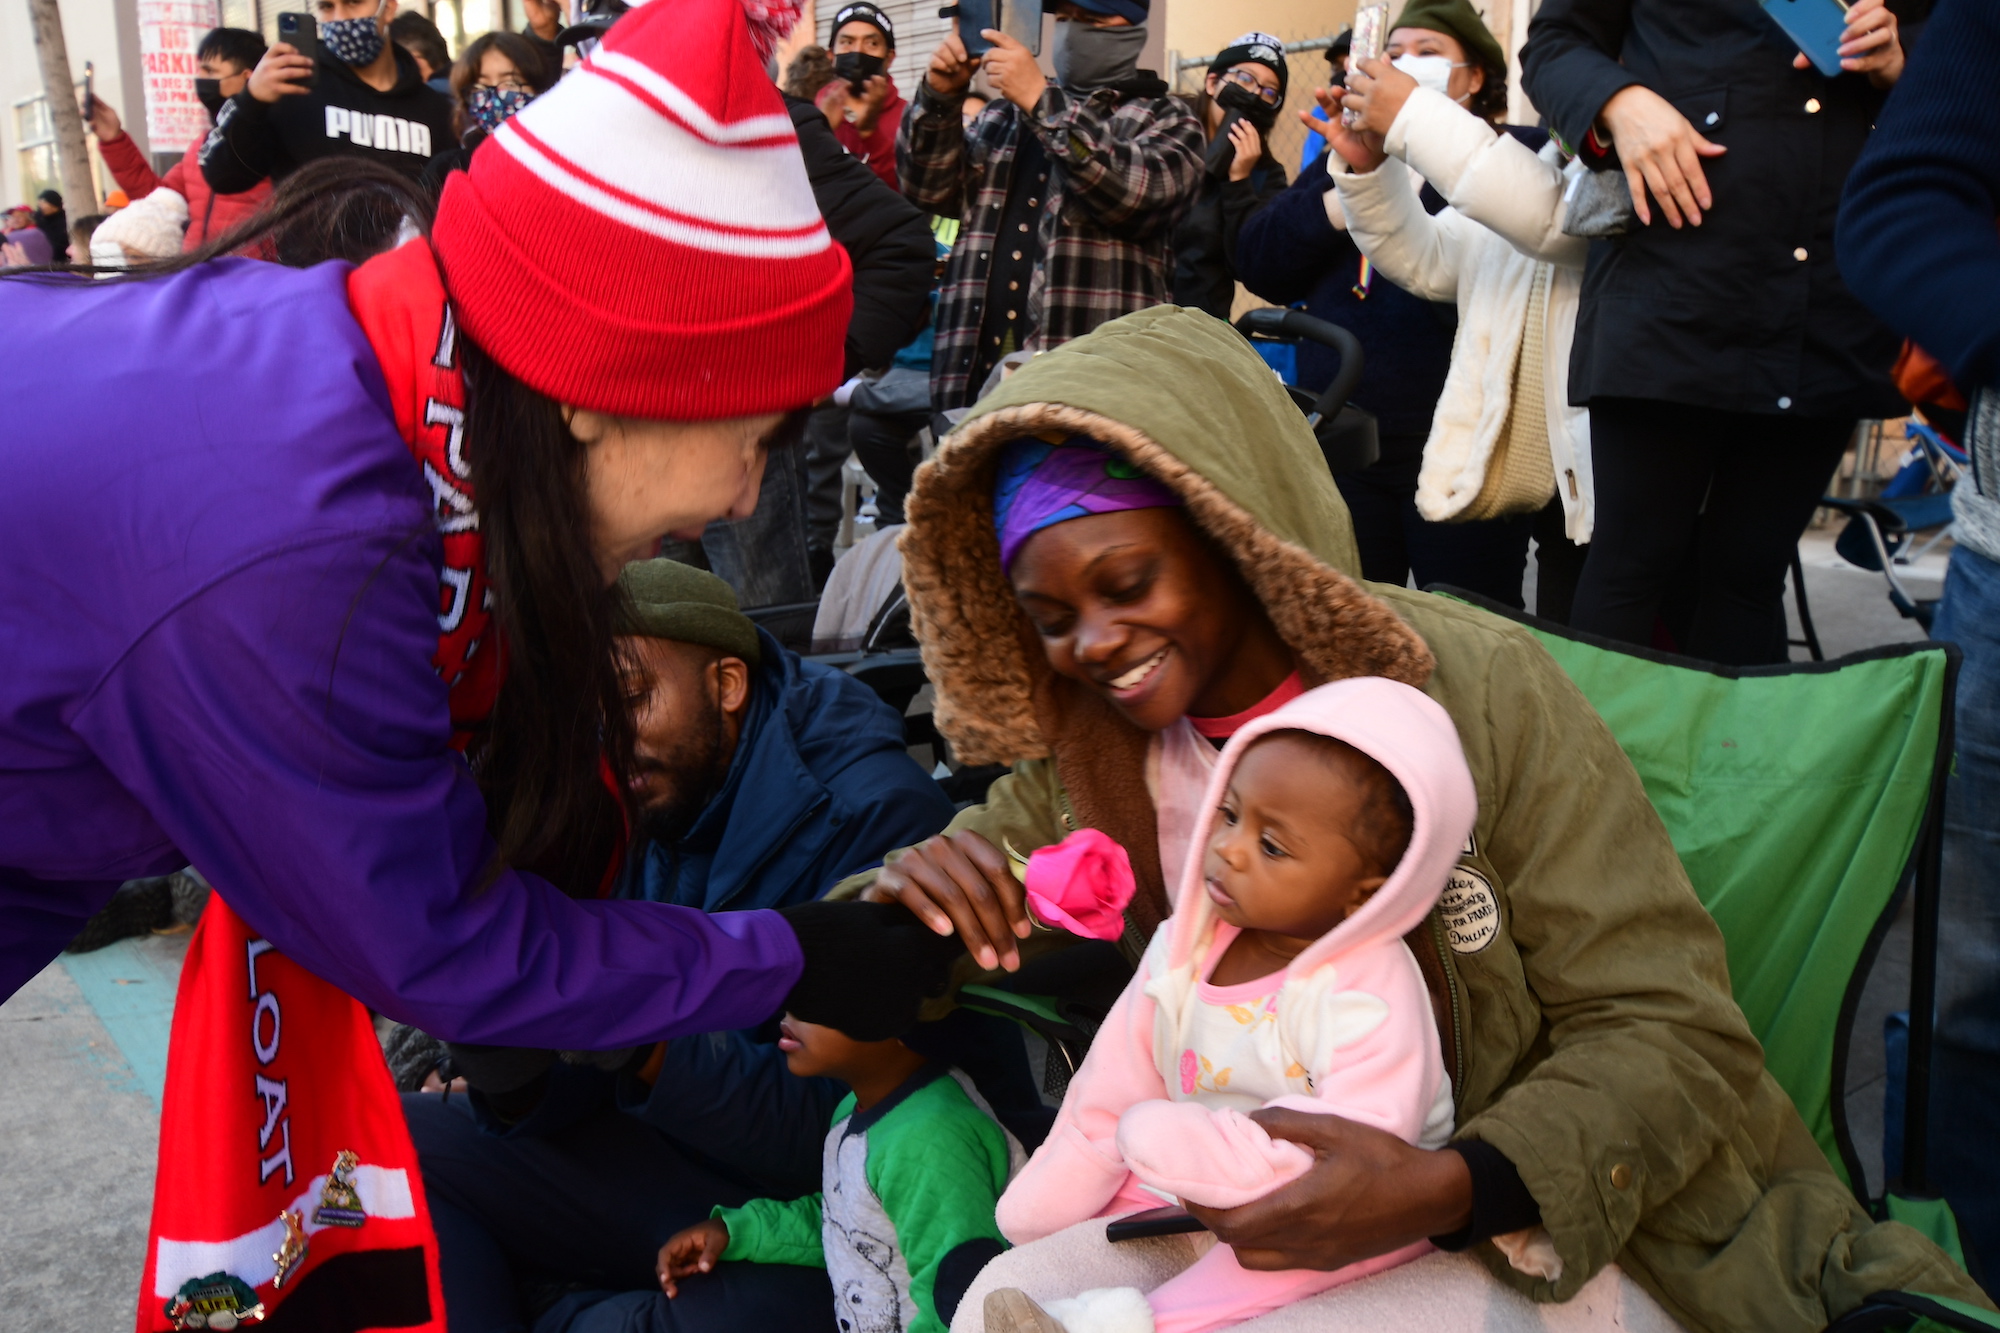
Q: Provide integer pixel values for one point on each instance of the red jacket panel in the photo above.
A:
(209, 213)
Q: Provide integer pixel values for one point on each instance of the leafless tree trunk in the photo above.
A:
(73, 160)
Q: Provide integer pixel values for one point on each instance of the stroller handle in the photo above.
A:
(1276, 323)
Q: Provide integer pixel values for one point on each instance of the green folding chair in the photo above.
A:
(1803, 799)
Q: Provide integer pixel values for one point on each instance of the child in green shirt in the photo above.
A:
(913, 1168)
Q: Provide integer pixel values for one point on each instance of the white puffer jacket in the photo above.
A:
(1505, 219)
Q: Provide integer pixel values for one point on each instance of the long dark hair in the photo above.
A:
(562, 723)
(336, 208)
(561, 720)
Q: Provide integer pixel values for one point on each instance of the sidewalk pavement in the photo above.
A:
(85, 1049)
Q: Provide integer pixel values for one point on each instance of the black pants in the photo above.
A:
(1736, 487)
(1558, 564)
(885, 444)
(1395, 542)
(559, 1234)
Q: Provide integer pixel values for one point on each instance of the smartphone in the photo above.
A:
(1019, 19)
(1168, 1221)
(1371, 34)
(89, 96)
(301, 33)
(1814, 26)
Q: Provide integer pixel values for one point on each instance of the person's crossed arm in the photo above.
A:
(1570, 66)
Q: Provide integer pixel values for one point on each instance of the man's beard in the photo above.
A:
(693, 769)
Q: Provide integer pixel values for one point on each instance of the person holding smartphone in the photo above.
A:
(1721, 354)
(361, 95)
(1238, 105)
(862, 102)
(225, 57)
(1068, 191)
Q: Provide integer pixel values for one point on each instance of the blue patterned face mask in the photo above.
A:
(489, 107)
(355, 42)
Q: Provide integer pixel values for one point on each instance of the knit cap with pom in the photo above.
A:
(642, 239)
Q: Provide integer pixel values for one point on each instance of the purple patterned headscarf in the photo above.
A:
(1040, 484)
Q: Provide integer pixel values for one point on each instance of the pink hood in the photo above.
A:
(1407, 733)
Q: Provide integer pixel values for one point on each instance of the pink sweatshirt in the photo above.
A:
(1352, 1009)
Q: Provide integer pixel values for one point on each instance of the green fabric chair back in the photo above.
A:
(1794, 798)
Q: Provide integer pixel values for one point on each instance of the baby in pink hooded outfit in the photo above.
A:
(1330, 827)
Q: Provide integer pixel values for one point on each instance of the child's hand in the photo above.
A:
(696, 1250)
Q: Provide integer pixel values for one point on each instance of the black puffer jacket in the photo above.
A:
(1748, 311)
(885, 235)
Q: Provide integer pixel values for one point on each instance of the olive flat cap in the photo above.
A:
(1461, 20)
(671, 600)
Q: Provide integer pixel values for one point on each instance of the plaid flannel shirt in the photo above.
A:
(1125, 170)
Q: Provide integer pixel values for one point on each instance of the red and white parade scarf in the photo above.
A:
(288, 1194)
(399, 301)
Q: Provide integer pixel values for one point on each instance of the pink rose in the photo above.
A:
(1189, 1075)
(1082, 885)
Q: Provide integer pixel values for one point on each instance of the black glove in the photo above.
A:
(868, 966)
(498, 1070)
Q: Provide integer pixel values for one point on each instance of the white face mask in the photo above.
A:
(1432, 72)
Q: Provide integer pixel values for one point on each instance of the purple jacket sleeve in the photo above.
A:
(285, 727)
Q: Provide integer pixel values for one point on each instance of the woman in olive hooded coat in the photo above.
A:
(1588, 1030)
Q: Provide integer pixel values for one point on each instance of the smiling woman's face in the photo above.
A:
(1137, 606)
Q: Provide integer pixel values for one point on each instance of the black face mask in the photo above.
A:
(1235, 97)
(209, 93)
(855, 68)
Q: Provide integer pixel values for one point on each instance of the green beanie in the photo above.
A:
(1462, 21)
(671, 600)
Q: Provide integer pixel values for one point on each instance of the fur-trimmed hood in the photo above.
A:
(1183, 397)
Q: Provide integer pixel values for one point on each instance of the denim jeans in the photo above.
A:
(1965, 1076)
(763, 557)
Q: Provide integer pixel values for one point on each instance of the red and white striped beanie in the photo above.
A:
(642, 240)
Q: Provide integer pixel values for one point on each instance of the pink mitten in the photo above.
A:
(1218, 1159)
(1082, 885)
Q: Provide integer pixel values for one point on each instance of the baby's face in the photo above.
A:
(1280, 858)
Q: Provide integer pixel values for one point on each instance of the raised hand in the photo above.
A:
(283, 72)
(950, 72)
(1012, 71)
(1249, 147)
(104, 122)
(1870, 44)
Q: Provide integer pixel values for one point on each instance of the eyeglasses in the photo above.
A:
(507, 83)
(1248, 82)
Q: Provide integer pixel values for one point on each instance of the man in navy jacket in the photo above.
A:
(766, 778)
